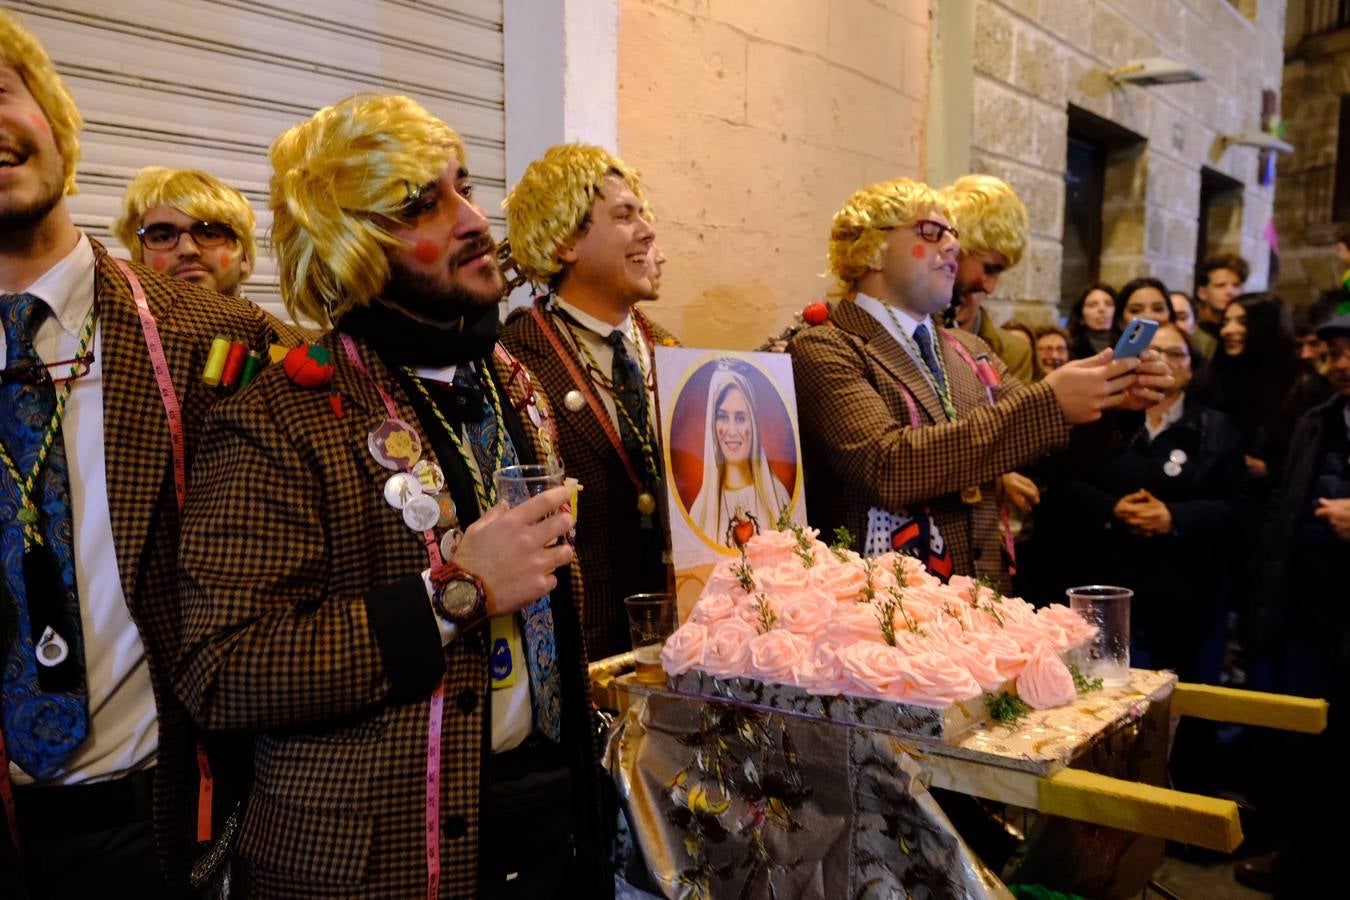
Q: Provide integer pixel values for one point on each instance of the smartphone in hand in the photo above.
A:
(1135, 338)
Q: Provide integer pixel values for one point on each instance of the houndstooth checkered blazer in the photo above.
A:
(617, 559)
(142, 505)
(307, 627)
(860, 450)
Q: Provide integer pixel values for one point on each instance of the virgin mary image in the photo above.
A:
(739, 488)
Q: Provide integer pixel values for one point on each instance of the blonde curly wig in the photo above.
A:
(192, 193)
(859, 230)
(335, 176)
(552, 201)
(989, 215)
(20, 51)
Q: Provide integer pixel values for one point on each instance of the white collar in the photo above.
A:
(591, 323)
(68, 287)
(1169, 418)
(882, 312)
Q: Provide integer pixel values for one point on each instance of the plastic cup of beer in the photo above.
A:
(1106, 656)
(516, 484)
(651, 619)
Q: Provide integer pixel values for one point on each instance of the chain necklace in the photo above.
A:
(486, 493)
(646, 502)
(943, 390)
(28, 511)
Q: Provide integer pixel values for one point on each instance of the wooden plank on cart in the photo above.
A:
(1219, 704)
(1176, 815)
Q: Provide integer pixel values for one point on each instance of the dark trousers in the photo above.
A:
(527, 844)
(95, 840)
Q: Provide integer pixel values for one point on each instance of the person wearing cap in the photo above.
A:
(102, 757)
(189, 225)
(1304, 622)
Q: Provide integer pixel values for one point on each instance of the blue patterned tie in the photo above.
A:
(925, 344)
(629, 390)
(541, 651)
(45, 707)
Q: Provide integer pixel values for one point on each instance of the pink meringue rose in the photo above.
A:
(726, 651)
(1077, 628)
(787, 576)
(805, 611)
(980, 666)
(724, 579)
(713, 608)
(1001, 650)
(874, 670)
(844, 582)
(821, 671)
(684, 649)
(776, 655)
(938, 681)
(1046, 681)
(771, 548)
(851, 623)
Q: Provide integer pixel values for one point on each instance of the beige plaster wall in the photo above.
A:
(1032, 58)
(751, 121)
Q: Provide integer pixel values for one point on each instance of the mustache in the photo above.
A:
(475, 250)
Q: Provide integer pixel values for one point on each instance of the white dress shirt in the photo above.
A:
(593, 333)
(123, 727)
(879, 311)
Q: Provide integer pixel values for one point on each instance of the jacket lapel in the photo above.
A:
(890, 356)
(584, 421)
(136, 432)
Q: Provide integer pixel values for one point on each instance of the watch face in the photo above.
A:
(460, 598)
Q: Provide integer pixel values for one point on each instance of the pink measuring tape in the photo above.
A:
(437, 712)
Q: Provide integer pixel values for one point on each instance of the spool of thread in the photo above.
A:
(252, 366)
(234, 364)
(215, 362)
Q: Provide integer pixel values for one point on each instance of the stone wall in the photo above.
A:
(751, 121)
(1034, 58)
(1316, 76)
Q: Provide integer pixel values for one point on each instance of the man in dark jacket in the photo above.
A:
(1304, 614)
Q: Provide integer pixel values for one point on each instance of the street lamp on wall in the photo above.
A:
(1152, 71)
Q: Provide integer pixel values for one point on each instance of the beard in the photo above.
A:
(21, 217)
(429, 298)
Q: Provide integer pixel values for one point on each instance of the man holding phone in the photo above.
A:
(907, 424)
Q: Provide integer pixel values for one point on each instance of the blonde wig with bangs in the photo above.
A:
(197, 194)
(859, 231)
(989, 215)
(552, 202)
(335, 178)
(20, 51)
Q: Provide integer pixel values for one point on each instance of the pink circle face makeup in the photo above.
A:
(426, 252)
(918, 252)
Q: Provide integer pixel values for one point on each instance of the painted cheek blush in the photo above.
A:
(918, 252)
(426, 252)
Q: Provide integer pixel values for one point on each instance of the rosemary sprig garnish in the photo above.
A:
(1005, 708)
(1081, 682)
(767, 617)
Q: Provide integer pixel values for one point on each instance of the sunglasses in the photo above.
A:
(163, 236)
(932, 232)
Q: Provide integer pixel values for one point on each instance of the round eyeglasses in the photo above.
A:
(163, 236)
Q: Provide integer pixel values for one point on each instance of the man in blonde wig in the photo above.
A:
(89, 608)
(404, 652)
(905, 423)
(580, 230)
(189, 225)
(994, 227)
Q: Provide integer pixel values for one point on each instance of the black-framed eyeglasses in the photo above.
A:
(932, 232)
(163, 236)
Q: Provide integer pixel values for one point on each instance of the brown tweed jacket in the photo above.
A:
(307, 627)
(860, 450)
(617, 558)
(143, 508)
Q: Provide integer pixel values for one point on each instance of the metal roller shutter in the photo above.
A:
(208, 85)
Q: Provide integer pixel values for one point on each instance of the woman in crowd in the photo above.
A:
(738, 483)
(1143, 298)
(1250, 377)
(1090, 318)
(1149, 514)
(1183, 312)
(1025, 332)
